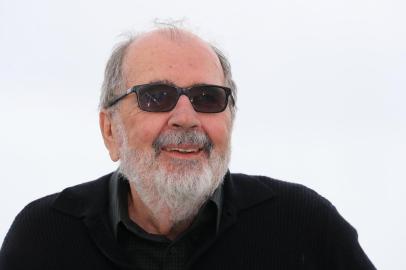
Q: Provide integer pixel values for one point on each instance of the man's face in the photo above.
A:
(184, 63)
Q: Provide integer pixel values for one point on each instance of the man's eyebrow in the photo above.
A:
(168, 82)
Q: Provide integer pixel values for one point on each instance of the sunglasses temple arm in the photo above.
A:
(117, 99)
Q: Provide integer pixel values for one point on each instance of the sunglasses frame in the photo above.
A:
(180, 91)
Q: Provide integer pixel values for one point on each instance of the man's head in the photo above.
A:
(174, 159)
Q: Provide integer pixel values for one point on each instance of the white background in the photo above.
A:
(321, 98)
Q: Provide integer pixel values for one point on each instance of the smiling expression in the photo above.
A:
(183, 61)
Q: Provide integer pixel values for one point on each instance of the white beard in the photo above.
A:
(179, 189)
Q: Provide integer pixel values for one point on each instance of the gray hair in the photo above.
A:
(114, 82)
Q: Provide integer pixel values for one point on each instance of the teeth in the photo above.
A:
(183, 150)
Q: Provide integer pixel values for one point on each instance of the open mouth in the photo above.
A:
(183, 151)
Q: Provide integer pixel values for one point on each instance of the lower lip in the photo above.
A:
(180, 155)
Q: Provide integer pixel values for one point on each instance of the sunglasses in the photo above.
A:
(164, 97)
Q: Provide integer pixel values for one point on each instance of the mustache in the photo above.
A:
(177, 137)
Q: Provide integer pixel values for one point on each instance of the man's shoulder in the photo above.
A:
(271, 190)
(52, 222)
(276, 186)
(74, 200)
(274, 199)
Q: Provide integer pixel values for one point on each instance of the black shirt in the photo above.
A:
(151, 251)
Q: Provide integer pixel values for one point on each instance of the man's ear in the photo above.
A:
(110, 138)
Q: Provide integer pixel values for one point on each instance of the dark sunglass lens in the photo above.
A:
(209, 99)
(157, 98)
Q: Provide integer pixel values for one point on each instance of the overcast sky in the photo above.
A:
(321, 98)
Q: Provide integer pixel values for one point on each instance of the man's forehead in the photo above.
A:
(168, 36)
(170, 48)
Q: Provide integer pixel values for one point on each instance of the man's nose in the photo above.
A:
(183, 115)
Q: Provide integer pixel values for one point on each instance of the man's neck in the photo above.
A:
(143, 217)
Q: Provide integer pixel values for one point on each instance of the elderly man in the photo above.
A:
(166, 113)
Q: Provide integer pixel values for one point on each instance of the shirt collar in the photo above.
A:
(118, 200)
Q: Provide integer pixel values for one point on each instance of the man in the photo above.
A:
(172, 204)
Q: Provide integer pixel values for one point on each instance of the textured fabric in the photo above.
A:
(265, 224)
